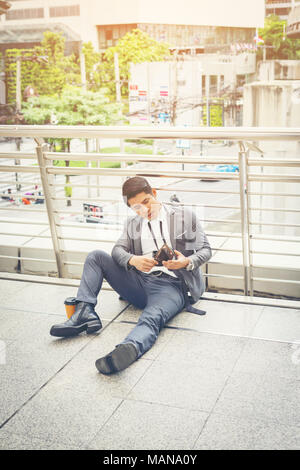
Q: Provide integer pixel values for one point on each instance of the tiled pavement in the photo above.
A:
(228, 380)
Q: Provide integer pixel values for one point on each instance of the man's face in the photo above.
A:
(145, 205)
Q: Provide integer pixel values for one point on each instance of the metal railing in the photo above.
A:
(246, 138)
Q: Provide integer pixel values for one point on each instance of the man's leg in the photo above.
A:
(99, 265)
(165, 300)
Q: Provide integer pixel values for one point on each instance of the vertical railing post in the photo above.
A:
(18, 85)
(53, 218)
(243, 171)
(98, 166)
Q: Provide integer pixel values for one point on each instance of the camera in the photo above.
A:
(164, 254)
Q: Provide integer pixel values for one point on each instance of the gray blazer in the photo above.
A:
(186, 235)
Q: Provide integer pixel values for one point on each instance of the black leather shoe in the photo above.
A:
(118, 359)
(83, 319)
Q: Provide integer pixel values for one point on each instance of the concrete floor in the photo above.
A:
(228, 380)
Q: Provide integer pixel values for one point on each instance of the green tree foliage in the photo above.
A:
(273, 35)
(50, 78)
(47, 78)
(73, 107)
(92, 59)
(216, 115)
(136, 46)
(11, 69)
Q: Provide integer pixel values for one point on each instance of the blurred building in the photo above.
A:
(274, 99)
(183, 92)
(211, 26)
(280, 8)
(293, 23)
(25, 22)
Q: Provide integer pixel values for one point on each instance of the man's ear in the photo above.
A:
(154, 192)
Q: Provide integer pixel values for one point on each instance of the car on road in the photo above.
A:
(222, 168)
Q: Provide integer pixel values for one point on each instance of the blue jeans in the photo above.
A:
(160, 298)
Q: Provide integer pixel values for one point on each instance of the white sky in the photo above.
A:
(239, 13)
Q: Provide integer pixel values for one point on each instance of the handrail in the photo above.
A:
(124, 132)
(145, 158)
(243, 183)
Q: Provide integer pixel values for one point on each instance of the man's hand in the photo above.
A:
(180, 262)
(142, 263)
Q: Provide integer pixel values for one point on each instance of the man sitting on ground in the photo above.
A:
(160, 290)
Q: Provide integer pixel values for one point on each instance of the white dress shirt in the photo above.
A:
(148, 243)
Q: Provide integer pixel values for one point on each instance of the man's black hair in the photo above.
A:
(134, 186)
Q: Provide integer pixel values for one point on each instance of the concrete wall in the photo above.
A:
(275, 104)
(229, 264)
(272, 103)
(278, 70)
(283, 265)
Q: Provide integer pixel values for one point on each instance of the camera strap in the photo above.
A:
(153, 236)
(188, 306)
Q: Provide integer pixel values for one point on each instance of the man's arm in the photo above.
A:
(121, 250)
(203, 250)
(122, 255)
(195, 239)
